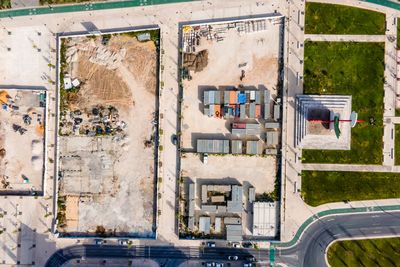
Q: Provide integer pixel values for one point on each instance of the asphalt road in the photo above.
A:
(311, 248)
(309, 251)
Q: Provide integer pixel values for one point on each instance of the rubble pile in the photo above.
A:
(99, 121)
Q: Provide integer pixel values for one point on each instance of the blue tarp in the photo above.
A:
(241, 98)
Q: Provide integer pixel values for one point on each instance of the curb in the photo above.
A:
(332, 212)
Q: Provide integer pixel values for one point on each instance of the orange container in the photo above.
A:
(258, 111)
(232, 97)
(217, 111)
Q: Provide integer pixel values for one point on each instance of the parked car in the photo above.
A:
(247, 244)
(211, 244)
(210, 264)
(205, 158)
(98, 241)
(219, 265)
(233, 258)
(123, 242)
(236, 244)
(174, 139)
(251, 259)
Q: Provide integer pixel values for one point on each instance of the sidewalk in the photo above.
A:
(344, 38)
(350, 167)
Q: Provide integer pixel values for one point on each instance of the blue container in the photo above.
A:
(241, 98)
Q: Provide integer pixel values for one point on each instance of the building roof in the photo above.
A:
(204, 225)
(217, 227)
(265, 219)
(236, 146)
(253, 147)
(272, 138)
(213, 146)
(235, 204)
(234, 232)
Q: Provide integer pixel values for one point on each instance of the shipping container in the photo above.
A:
(243, 111)
(252, 95)
(253, 147)
(277, 112)
(226, 98)
(258, 111)
(238, 125)
(258, 100)
(213, 146)
(272, 125)
(217, 97)
(212, 111)
(236, 146)
(267, 96)
(232, 97)
(267, 111)
(271, 151)
(211, 95)
(239, 132)
(206, 98)
(217, 111)
(272, 138)
(207, 111)
(241, 98)
(252, 110)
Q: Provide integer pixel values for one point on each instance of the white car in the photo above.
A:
(236, 244)
(211, 244)
(233, 258)
(122, 242)
(205, 158)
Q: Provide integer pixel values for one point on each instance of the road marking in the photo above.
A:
(376, 232)
(330, 220)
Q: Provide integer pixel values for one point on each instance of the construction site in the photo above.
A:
(107, 164)
(231, 127)
(22, 138)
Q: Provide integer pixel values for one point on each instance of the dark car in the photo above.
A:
(174, 139)
(247, 244)
(251, 259)
(211, 244)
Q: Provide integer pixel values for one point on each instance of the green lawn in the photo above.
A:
(349, 68)
(367, 253)
(397, 144)
(319, 187)
(398, 34)
(5, 4)
(338, 19)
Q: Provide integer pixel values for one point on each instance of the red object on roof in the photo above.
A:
(238, 125)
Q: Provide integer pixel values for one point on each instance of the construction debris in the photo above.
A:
(195, 61)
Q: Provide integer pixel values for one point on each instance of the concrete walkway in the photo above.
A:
(344, 38)
(389, 99)
(350, 167)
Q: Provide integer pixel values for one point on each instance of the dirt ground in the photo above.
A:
(259, 50)
(21, 151)
(258, 172)
(112, 174)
